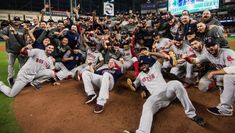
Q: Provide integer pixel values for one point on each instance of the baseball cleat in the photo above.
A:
(199, 120)
(36, 86)
(130, 84)
(216, 111)
(98, 108)
(11, 81)
(90, 98)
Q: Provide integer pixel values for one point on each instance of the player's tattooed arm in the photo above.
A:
(225, 70)
(216, 72)
(101, 63)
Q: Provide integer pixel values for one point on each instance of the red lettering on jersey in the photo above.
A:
(44, 63)
(229, 58)
(148, 78)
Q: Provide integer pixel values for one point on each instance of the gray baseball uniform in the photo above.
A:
(104, 79)
(129, 60)
(91, 57)
(224, 59)
(179, 69)
(39, 65)
(227, 96)
(161, 46)
(162, 94)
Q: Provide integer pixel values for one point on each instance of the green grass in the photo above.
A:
(2, 43)
(8, 122)
(231, 38)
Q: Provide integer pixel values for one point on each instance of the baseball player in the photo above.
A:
(127, 59)
(227, 97)
(13, 46)
(104, 79)
(39, 65)
(219, 57)
(68, 66)
(111, 51)
(93, 58)
(161, 93)
(160, 44)
(199, 49)
(181, 49)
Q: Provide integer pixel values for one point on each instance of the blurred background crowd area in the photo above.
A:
(224, 10)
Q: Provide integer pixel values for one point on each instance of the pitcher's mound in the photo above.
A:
(62, 109)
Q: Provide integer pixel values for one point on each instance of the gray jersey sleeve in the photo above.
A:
(33, 52)
(230, 70)
(229, 57)
(51, 63)
(203, 58)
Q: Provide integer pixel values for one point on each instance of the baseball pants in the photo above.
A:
(21, 83)
(228, 94)
(64, 72)
(105, 82)
(160, 100)
(204, 82)
(180, 69)
(43, 76)
(11, 61)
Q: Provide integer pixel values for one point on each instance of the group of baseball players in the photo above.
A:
(167, 54)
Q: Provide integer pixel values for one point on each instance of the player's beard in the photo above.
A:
(214, 52)
(179, 45)
(145, 70)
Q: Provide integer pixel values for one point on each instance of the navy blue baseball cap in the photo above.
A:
(146, 60)
(91, 43)
(27, 21)
(210, 42)
(16, 18)
(179, 37)
(155, 33)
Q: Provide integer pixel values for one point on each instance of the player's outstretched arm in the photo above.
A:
(161, 56)
(101, 63)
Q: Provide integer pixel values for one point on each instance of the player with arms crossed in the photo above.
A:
(162, 93)
(39, 65)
